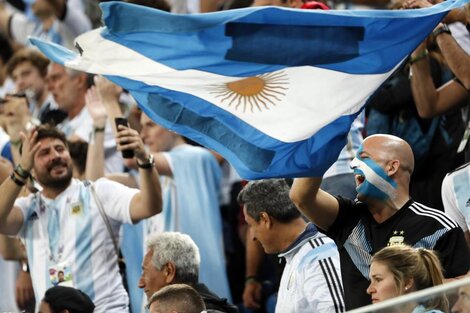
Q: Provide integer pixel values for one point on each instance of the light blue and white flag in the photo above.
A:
(273, 90)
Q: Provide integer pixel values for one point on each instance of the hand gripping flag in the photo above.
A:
(273, 90)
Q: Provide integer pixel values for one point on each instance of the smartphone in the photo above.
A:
(126, 154)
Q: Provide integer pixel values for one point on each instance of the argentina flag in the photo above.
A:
(273, 90)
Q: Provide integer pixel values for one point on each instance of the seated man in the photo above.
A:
(70, 225)
(173, 258)
(177, 298)
(311, 281)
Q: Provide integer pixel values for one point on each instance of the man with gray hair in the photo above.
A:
(69, 87)
(311, 281)
(173, 258)
(177, 298)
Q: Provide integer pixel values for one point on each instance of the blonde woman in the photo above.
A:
(399, 270)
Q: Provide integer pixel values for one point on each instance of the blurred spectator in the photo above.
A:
(28, 69)
(56, 21)
(69, 88)
(431, 101)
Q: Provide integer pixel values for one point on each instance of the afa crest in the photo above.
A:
(76, 208)
(397, 239)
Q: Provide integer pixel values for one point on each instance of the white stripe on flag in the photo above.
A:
(315, 96)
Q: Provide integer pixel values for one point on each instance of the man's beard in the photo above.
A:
(56, 182)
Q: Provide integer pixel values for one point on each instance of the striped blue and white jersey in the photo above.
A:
(70, 230)
(311, 281)
(358, 237)
(456, 196)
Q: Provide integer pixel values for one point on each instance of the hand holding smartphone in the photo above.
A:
(126, 154)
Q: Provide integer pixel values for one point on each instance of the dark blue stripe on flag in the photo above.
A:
(175, 113)
(292, 45)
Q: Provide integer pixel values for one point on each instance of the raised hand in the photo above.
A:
(108, 92)
(95, 107)
(16, 115)
(416, 4)
(30, 147)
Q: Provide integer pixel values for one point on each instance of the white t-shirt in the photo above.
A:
(456, 196)
(84, 247)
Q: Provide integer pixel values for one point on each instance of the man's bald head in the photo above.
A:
(388, 148)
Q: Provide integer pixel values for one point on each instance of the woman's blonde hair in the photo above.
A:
(421, 265)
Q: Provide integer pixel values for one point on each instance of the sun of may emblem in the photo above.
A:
(257, 92)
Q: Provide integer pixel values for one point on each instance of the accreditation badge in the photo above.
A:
(61, 274)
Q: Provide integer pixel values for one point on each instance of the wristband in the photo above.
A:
(147, 165)
(98, 129)
(419, 57)
(441, 29)
(21, 172)
(15, 143)
(17, 181)
(251, 279)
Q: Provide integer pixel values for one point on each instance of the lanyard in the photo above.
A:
(54, 210)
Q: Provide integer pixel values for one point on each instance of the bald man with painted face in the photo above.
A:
(382, 215)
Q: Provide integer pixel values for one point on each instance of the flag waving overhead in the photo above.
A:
(273, 90)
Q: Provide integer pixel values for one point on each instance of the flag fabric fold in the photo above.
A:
(273, 90)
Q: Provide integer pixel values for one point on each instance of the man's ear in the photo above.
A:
(392, 167)
(170, 272)
(265, 219)
(82, 81)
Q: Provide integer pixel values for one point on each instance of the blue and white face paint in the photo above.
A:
(377, 184)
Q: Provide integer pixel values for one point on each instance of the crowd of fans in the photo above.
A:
(98, 216)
